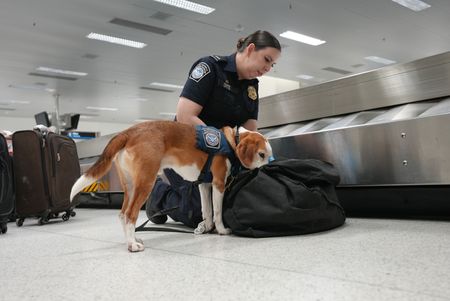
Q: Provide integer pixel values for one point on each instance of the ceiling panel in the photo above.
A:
(52, 33)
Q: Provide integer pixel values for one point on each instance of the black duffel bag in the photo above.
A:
(284, 197)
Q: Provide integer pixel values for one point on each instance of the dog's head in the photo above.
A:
(253, 150)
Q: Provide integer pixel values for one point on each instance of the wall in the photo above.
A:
(15, 123)
(273, 85)
(267, 86)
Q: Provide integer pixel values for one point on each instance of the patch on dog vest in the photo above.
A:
(212, 140)
(199, 72)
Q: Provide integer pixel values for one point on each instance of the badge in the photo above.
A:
(199, 72)
(212, 138)
(252, 93)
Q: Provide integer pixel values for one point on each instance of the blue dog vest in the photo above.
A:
(213, 141)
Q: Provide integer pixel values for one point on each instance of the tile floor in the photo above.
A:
(85, 258)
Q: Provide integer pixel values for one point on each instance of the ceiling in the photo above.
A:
(52, 33)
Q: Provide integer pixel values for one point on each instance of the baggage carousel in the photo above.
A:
(386, 131)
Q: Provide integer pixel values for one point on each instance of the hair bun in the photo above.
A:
(240, 43)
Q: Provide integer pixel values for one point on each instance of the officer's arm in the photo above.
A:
(251, 125)
(188, 111)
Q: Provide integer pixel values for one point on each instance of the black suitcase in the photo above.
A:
(6, 185)
(46, 166)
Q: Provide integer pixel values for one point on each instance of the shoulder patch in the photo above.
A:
(199, 71)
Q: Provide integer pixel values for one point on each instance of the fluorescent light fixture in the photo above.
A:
(380, 60)
(32, 87)
(188, 5)
(11, 102)
(60, 71)
(415, 5)
(164, 85)
(115, 40)
(102, 109)
(305, 76)
(301, 38)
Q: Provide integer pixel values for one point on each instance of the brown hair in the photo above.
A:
(261, 39)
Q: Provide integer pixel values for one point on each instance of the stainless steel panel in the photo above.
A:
(92, 147)
(443, 107)
(108, 183)
(407, 111)
(283, 130)
(354, 119)
(314, 126)
(406, 152)
(422, 79)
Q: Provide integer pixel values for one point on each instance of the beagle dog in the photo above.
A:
(142, 151)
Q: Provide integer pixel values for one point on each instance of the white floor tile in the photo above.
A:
(86, 258)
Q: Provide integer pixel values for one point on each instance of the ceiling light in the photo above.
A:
(102, 109)
(301, 38)
(60, 71)
(380, 60)
(188, 5)
(415, 5)
(115, 40)
(10, 102)
(164, 85)
(32, 87)
(305, 76)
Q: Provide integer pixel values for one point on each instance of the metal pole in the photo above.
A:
(56, 124)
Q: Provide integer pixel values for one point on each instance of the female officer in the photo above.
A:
(220, 91)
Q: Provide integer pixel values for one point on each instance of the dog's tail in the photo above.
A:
(102, 166)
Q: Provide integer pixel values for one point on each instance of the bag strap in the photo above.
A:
(205, 170)
(165, 228)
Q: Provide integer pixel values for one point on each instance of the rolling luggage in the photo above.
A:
(46, 166)
(6, 185)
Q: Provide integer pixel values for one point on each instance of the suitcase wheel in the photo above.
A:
(65, 217)
(3, 228)
(19, 222)
(68, 214)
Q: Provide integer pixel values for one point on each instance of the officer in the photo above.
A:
(220, 91)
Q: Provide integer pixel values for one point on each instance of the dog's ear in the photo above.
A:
(245, 152)
(229, 135)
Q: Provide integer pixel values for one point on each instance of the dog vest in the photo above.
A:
(213, 142)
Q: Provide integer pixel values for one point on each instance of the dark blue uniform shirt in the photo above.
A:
(213, 83)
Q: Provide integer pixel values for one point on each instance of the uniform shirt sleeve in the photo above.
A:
(201, 82)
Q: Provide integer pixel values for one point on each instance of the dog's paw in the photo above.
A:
(140, 241)
(203, 227)
(136, 246)
(223, 231)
